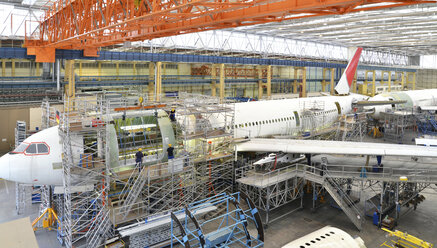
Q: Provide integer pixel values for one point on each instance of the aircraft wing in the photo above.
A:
(429, 108)
(377, 103)
(335, 147)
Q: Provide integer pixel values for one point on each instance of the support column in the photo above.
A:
(412, 81)
(389, 81)
(13, 68)
(402, 80)
(396, 80)
(260, 83)
(69, 73)
(80, 69)
(295, 80)
(151, 84)
(58, 75)
(222, 82)
(213, 81)
(304, 82)
(134, 70)
(117, 69)
(366, 83)
(99, 70)
(323, 79)
(3, 67)
(332, 81)
(178, 70)
(269, 81)
(158, 82)
(37, 71)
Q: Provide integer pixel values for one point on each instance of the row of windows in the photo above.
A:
(317, 240)
(263, 122)
(249, 124)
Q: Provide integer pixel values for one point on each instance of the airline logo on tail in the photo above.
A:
(346, 79)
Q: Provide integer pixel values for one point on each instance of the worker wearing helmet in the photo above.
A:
(170, 153)
(172, 114)
(139, 159)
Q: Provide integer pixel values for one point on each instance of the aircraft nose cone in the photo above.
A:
(4, 167)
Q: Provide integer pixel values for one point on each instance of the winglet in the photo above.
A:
(346, 79)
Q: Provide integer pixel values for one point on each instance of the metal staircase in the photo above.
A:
(131, 179)
(344, 201)
(133, 194)
(339, 196)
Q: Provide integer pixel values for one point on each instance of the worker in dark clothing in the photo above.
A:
(172, 114)
(139, 159)
(170, 152)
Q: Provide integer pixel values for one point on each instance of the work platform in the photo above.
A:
(273, 189)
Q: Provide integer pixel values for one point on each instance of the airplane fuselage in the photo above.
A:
(285, 117)
(414, 99)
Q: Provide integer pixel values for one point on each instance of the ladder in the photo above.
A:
(20, 132)
(132, 177)
(339, 196)
(344, 201)
(97, 234)
(133, 194)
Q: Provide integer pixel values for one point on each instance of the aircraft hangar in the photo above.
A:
(205, 123)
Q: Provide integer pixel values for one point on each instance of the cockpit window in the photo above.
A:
(20, 148)
(31, 149)
(42, 148)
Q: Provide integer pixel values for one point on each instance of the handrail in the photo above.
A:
(344, 195)
(343, 171)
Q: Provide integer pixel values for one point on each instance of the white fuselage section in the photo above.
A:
(414, 98)
(286, 117)
(327, 237)
(35, 167)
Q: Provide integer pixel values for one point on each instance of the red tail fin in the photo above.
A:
(346, 79)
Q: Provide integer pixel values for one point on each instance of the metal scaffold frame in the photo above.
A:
(156, 189)
(396, 123)
(206, 133)
(270, 190)
(202, 167)
(85, 219)
(352, 127)
(351, 187)
(232, 224)
(312, 116)
(70, 24)
(48, 115)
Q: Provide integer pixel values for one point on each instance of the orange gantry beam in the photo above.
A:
(91, 24)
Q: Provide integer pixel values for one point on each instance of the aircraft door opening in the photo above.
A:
(296, 116)
(338, 107)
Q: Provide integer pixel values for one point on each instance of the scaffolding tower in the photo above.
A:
(21, 191)
(396, 123)
(313, 122)
(206, 133)
(48, 115)
(352, 127)
(104, 187)
(85, 164)
(272, 189)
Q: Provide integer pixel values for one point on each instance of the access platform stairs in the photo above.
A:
(339, 196)
(139, 180)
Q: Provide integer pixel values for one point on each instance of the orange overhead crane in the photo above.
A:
(90, 24)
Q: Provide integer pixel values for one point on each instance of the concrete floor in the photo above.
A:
(8, 213)
(421, 223)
